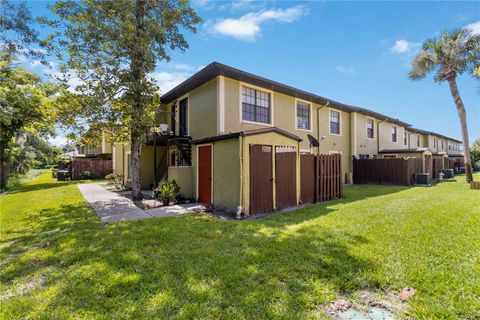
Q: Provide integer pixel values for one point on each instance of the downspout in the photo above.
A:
(318, 124)
(239, 208)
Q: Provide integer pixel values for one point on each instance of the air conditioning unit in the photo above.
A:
(423, 179)
(163, 128)
(448, 173)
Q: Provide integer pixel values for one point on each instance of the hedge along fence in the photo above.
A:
(396, 171)
(98, 168)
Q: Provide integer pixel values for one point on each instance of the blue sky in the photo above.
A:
(354, 52)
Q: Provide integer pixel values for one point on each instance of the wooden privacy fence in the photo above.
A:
(98, 168)
(321, 177)
(438, 166)
(449, 163)
(396, 171)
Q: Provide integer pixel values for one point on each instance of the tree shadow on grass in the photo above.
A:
(187, 266)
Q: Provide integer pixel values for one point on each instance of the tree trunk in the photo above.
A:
(138, 77)
(135, 165)
(463, 122)
(3, 169)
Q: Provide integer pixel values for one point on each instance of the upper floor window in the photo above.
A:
(255, 105)
(434, 142)
(418, 141)
(394, 134)
(370, 130)
(404, 138)
(334, 122)
(442, 144)
(303, 116)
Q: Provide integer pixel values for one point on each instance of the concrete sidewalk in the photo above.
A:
(111, 207)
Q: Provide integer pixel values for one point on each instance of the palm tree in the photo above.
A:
(452, 54)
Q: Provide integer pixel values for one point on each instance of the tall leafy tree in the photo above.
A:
(25, 103)
(112, 47)
(17, 31)
(449, 56)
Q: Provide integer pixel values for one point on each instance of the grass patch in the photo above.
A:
(59, 261)
(16, 180)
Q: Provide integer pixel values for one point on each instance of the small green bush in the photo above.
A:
(85, 174)
(115, 180)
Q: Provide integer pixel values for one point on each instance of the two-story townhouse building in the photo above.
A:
(373, 132)
(211, 121)
(102, 148)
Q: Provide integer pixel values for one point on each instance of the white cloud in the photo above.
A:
(474, 27)
(169, 80)
(404, 46)
(183, 66)
(247, 27)
(401, 46)
(346, 70)
(58, 141)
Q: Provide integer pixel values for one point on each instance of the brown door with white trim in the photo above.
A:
(205, 174)
(261, 179)
(285, 178)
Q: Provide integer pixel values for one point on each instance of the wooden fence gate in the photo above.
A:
(261, 177)
(321, 177)
(307, 178)
(285, 177)
(329, 177)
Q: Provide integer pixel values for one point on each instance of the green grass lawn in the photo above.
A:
(59, 261)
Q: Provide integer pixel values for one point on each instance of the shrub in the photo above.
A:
(167, 190)
(115, 180)
(85, 174)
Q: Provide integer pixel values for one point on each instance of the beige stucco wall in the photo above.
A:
(284, 117)
(330, 143)
(385, 136)
(117, 159)
(361, 144)
(202, 111)
(184, 178)
(438, 147)
(226, 174)
(106, 146)
(454, 147)
(146, 165)
(413, 140)
(284, 113)
(272, 139)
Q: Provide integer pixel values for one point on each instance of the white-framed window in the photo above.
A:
(442, 144)
(394, 133)
(256, 105)
(434, 142)
(418, 141)
(370, 128)
(405, 138)
(335, 122)
(304, 116)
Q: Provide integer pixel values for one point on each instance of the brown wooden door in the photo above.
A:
(261, 179)
(285, 179)
(307, 178)
(205, 174)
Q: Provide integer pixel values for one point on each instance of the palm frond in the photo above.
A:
(424, 63)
